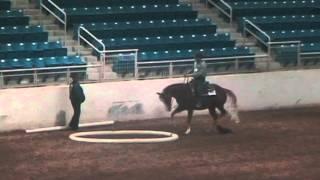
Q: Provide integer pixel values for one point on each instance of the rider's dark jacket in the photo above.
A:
(200, 69)
(199, 74)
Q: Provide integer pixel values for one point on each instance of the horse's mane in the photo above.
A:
(178, 86)
(172, 87)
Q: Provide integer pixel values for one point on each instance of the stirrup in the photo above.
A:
(212, 93)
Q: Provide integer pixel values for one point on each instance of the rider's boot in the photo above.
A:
(198, 97)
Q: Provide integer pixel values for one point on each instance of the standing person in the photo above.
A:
(76, 97)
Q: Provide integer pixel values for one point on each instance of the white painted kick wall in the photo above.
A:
(28, 108)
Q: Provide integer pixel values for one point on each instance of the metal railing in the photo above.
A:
(256, 32)
(312, 58)
(169, 66)
(37, 76)
(114, 55)
(226, 13)
(286, 44)
(63, 21)
(269, 43)
(248, 30)
(99, 41)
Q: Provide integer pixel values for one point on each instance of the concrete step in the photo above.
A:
(15, 3)
(84, 52)
(20, 1)
(236, 36)
(42, 22)
(24, 6)
(71, 43)
(80, 49)
(56, 32)
(60, 37)
(223, 30)
(72, 53)
(32, 11)
(51, 27)
(91, 59)
(243, 43)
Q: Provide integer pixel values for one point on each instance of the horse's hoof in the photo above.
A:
(187, 132)
(227, 131)
(222, 130)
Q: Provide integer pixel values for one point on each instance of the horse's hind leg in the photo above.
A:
(221, 129)
(190, 113)
(222, 111)
(214, 115)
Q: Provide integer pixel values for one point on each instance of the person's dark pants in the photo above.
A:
(74, 124)
(198, 85)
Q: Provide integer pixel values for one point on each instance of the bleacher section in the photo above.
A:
(281, 20)
(242, 8)
(22, 34)
(40, 62)
(285, 22)
(129, 13)
(96, 3)
(161, 30)
(34, 49)
(150, 28)
(25, 48)
(13, 18)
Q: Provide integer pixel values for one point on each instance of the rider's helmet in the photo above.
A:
(198, 56)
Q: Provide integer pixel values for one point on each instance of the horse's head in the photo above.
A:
(166, 99)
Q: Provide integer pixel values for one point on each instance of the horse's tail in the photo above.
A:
(234, 111)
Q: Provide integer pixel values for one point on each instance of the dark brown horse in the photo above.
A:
(186, 101)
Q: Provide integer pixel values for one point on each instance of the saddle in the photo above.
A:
(205, 89)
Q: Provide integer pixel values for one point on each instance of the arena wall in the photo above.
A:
(28, 108)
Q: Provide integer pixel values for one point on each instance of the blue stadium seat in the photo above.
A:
(170, 42)
(11, 34)
(4, 65)
(304, 35)
(150, 28)
(41, 62)
(290, 22)
(34, 49)
(13, 18)
(91, 3)
(253, 8)
(129, 13)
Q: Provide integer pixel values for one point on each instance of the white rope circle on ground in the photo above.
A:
(169, 136)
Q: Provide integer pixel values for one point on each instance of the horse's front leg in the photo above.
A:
(190, 113)
(175, 111)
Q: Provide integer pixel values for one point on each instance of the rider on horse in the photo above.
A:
(199, 76)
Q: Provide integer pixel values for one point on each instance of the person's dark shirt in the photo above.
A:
(76, 93)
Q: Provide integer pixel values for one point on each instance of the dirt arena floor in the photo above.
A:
(273, 145)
